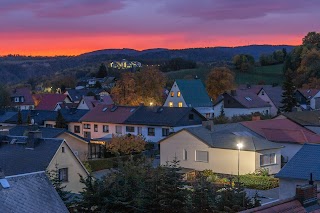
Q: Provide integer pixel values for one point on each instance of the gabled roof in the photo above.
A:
(6, 115)
(16, 159)
(247, 99)
(275, 94)
(252, 88)
(47, 132)
(108, 114)
(92, 102)
(308, 93)
(228, 140)
(26, 93)
(304, 162)
(49, 101)
(304, 118)
(282, 130)
(194, 93)
(31, 193)
(77, 94)
(164, 116)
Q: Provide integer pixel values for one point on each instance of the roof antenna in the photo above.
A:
(311, 181)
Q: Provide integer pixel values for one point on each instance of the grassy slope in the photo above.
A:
(268, 74)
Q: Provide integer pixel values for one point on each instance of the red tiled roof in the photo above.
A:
(26, 93)
(92, 102)
(49, 101)
(106, 114)
(282, 130)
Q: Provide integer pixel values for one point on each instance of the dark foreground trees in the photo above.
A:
(138, 187)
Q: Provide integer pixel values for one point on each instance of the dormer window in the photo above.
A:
(179, 94)
(172, 94)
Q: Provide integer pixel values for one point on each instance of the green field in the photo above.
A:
(267, 74)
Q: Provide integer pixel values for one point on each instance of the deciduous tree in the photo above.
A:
(219, 80)
(126, 144)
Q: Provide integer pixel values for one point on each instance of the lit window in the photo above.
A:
(180, 104)
(170, 104)
(63, 175)
(172, 94)
(129, 128)
(165, 131)
(151, 131)
(268, 159)
(105, 128)
(179, 94)
(202, 156)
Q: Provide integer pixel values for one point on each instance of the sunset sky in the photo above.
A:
(71, 27)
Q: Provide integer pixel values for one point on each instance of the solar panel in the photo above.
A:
(4, 183)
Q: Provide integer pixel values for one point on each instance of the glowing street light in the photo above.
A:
(151, 103)
(239, 145)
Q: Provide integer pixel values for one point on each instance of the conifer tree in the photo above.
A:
(60, 121)
(288, 99)
(29, 119)
(19, 121)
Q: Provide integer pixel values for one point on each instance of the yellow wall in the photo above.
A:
(220, 160)
(77, 145)
(68, 160)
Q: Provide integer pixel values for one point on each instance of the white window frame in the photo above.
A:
(271, 162)
(201, 160)
(105, 128)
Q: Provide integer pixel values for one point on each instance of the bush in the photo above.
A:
(259, 182)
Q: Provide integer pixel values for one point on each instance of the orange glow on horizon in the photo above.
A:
(51, 45)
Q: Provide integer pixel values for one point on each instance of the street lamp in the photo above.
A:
(239, 145)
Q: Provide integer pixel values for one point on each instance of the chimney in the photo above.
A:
(248, 86)
(208, 125)
(307, 194)
(33, 139)
(234, 92)
(256, 116)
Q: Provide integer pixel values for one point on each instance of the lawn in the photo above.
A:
(267, 74)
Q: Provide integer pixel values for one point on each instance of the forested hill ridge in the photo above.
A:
(14, 69)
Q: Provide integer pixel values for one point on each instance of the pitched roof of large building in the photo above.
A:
(308, 93)
(304, 162)
(49, 101)
(164, 116)
(305, 118)
(77, 94)
(24, 92)
(16, 159)
(194, 93)
(92, 101)
(109, 114)
(228, 139)
(282, 130)
(30, 193)
(248, 99)
(275, 94)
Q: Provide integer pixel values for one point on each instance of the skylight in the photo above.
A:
(248, 98)
(243, 133)
(4, 183)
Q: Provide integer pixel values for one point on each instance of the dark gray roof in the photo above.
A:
(31, 193)
(46, 131)
(275, 94)
(247, 99)
(71, 115)
(305, 118)
(16, 159)
(165, 116)
(76, 94)
(6, 115)
(229, 140)
(304, 162)
(194, 93)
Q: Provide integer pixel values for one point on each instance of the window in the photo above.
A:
(262, 93)
(119, 129)
(95, 127)
(165, 131)
(63, 174)
(49, 125)
(151, 131)
(179, 94)
(170, 104)
(180, 104)
(139, 130)
(87, 135)
(105, 128)
(172, 94)
(86, 126)
(62, 149)
(191, 116)
(16, 99)
(76, 129)
(268, 159)
(185, 154)
(202, 156)
(129, 128)
(248, 98)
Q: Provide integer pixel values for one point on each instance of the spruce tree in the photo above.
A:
(288, 99)
(29, 119)
(60, 121)
(19, 121)
(103, 72)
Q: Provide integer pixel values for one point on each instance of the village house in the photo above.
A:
(272, 96)
(240, 102)
(215, 148)
(77, 94)
(89, 102)
(50, 101)
(33, 153)
(308, 99)
(21, 98)
(190, 93)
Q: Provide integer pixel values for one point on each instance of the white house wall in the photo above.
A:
(266, 98)
(175, 99)
(315, 101)
(230, 112)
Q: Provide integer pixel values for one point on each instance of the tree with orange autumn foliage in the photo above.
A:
(126, 144)
(219, 80)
